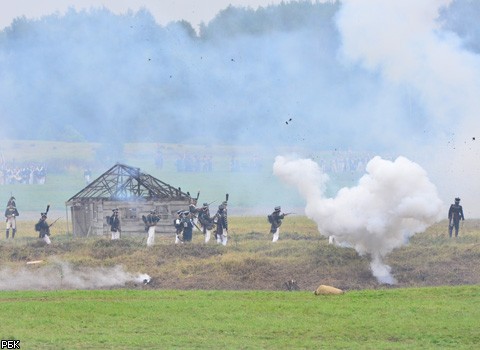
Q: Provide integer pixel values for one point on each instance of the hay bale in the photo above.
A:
(326, 290)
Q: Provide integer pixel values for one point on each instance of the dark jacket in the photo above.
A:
(114, 223)
(455, 212)
(42, 228)
(275, 219)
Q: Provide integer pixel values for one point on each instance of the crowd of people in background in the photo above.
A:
(31, 174)
(194, 163)
(341, 162)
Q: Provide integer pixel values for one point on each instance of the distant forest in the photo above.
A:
(100, 77)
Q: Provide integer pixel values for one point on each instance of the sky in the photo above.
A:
(193, 11)
(407, 84)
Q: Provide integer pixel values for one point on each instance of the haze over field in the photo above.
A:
(396, 78)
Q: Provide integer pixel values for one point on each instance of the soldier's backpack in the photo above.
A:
(270, 218)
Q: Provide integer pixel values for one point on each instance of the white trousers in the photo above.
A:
(224, 237)
(276, 235)
(115, 234)
(46, 239)
(208, 234)
(151, 236)
(11, 222)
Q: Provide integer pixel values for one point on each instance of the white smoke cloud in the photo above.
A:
(390, 203)
(62, 275)
(404, 42)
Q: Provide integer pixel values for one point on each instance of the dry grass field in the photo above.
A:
(251, 261)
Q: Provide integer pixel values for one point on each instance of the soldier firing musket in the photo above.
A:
(275, 219)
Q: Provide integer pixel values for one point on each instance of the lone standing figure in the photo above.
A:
(114, 222)
(10, 214)
(455, 213)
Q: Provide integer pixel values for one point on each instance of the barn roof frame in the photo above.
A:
(123, 182)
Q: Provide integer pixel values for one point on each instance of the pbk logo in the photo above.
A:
(9, 344)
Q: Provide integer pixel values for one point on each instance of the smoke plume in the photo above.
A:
(410, 48)
(62, 275)
(390, 203)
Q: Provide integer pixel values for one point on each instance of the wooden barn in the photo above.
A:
(134, 194)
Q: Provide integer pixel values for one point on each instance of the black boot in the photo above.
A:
(13, 232)
(7, 233)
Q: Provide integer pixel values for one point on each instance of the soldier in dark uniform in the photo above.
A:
(150, 223)
(10, 214)
(221, 220)
(43, 228)
(455, 213)
(178, 226)
(114, 222)
(275, 220)
(192, 208)
(187, 224)
(205, 221)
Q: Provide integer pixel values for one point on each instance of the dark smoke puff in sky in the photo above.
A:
(390, 203)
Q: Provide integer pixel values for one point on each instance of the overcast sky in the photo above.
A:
(164, 11)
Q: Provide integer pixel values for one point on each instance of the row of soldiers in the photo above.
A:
(185, 222)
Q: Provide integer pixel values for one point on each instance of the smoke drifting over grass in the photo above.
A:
(62, 275)
(390, 203)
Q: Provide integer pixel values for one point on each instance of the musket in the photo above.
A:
(288, 214)
(198, 228)
(53, 222)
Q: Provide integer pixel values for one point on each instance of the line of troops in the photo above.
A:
(198, 218)
(186, 220)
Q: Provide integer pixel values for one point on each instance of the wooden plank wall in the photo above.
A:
(89, 218)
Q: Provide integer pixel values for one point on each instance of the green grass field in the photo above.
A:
(413, 318)
(214, 297)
